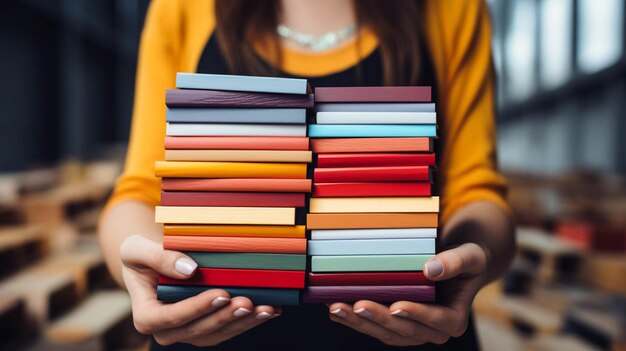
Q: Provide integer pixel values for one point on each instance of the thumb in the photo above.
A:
(137, 251)
(468, 258)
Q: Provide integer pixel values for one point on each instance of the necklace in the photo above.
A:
(316, 43)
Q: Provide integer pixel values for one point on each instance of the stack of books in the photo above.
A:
(373, 217)
(235, 171)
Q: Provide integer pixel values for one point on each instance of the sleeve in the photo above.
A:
(156, 72)
(468, 164)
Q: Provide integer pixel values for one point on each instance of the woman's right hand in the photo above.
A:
(203, 320)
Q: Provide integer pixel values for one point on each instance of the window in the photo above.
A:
(556, 41)
(600, 34)
(519, 49)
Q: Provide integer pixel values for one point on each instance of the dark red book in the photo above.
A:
(231, 199)
(387, 293)
(373, 94)
(260, 278)
(371, 189)
(372, 174)
(219, 98)
(375, 160)
(383, 278)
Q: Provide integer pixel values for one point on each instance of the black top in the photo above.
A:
(308, 327)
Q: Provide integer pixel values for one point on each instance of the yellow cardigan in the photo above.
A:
(458, 34)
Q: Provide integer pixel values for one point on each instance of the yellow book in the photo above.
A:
(375, 205)
(239, 155)
(268, 231)
(225, 215)
(183, 169)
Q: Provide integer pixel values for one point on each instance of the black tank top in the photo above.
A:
(308, 327)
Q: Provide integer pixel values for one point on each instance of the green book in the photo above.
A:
(258, 296)
(368, 263)
(288, 262)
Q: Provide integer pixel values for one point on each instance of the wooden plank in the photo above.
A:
(265, 231)
(243, 185)
(290, 262)
(387, 293)
(239, 155)
(255, 278)
(375, 205)
(606, 272)
(182, 169)
(371, 220)
(225, 215)
(226, 244)
(369, 263)
(528, 314)
(21, 246)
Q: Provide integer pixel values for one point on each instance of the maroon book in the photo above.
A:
(372, 174)
(231, 199)
(218, 98)
(374, 278)
(375, 159)
(387, 293)
(374, 94)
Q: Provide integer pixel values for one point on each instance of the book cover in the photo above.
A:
(357, 145)
(374, 159)
(231, 82)
(372, 174)
(231, 199)
(380, 233)
(221, 98)
(225, 215)
(288, 262)
(259, 296)
(371, 189)
(375, 107)
(190, 169)
(236, 115)
(388, 293)
(266, 231)
(215, 129)
(421, 246)
(258, 278)
(228, 244)
(374, 205)
(374, 94)
(368, 279)
(239, 155)
(237, 143)
(376, 118)
(238, 184)
(371, 220)
(369, 263)
(371, 130)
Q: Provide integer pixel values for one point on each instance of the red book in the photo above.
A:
(371, 189)
(375, 160)
(259, 278)
(237, 185)
(334, 145)
(374, 94)
(231, 199)
(384, 278)
(372, 174)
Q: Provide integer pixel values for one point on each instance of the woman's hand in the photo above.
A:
(206, 319)
(462, 272)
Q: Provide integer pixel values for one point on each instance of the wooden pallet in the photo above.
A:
(20, 246)
(529, 317)
(606, 272)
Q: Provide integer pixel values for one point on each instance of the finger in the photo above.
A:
(466, 259)
(451, 321)
(138, 251)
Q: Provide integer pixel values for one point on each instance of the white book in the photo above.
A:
(391, 233)
(371, 247)
(219, 129)
(376, 118)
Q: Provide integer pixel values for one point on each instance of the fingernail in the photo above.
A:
(339, 313)
(363, 312)
(400, 313)
(220, 301)
(434, 268)
(240, 312)
(185, 266)
(263, 315)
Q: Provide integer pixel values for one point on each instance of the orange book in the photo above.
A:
(227, 244)
(371, 220)
(332, 145)
(237, 143)
(185, 169)
(266, 231)
(244, 185)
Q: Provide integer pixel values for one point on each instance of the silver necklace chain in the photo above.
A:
(316, 43)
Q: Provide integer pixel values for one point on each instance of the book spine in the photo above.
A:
(228, 82)
(239, 156)
(236, 115)
(376, 118)
(375, 160)
(368, 279)
(371, 130)
(371, 247)
(277, 297)
(238, 185)
(265, 231)
(237, 143)
(259, 278)
(231, 199)
(374, 94)
(371, 189)
(374, 205)
(227, 244)
(288, 262)
(188, 169)
(358, 145)
(220, 98)
(225, 215)
(371, 220)
(374, 107)
(214, 129)
(367, 174)
(384, 233)
(369, 263)
(348, 294)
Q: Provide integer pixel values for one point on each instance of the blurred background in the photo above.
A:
(65, 105)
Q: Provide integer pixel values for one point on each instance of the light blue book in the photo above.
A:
(374, 107)
(371, 130)
(236, 115)
(230, 82)
(371, 247)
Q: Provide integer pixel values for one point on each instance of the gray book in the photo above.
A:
(375, 107)
(237, 115)
(230, 82)
(221, 129)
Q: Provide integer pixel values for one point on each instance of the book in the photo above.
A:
(259, 296)
(242, 184)
(369, 263)
(375, 118)
(231, 82)
(239, 155)
(322, 146)
(368, 130)
(237, 143)
(215, 129)
(225, 215)
(371, 220)
(374, 205)
(368, 279)
(375, 160)
(231, 199)
(236, 115)
(381, 233)
(228, 244)
(388, 293)
(374, 107)
(221, 98)
(288, 262)
(256, 278)
(372, 174)
(374, 94)
(266, 231)
(371, 189)
(419, 246)
(186, 169)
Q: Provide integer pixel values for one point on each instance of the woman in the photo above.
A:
(443, 43)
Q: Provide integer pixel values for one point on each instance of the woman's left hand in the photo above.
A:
(462, 272)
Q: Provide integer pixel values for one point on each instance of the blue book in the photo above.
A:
(259, 296)
(372, 130)
(374, 107)
(230, 82)
(237, 115)
(371, 247)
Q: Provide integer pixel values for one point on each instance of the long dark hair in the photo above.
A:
(396, 23)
